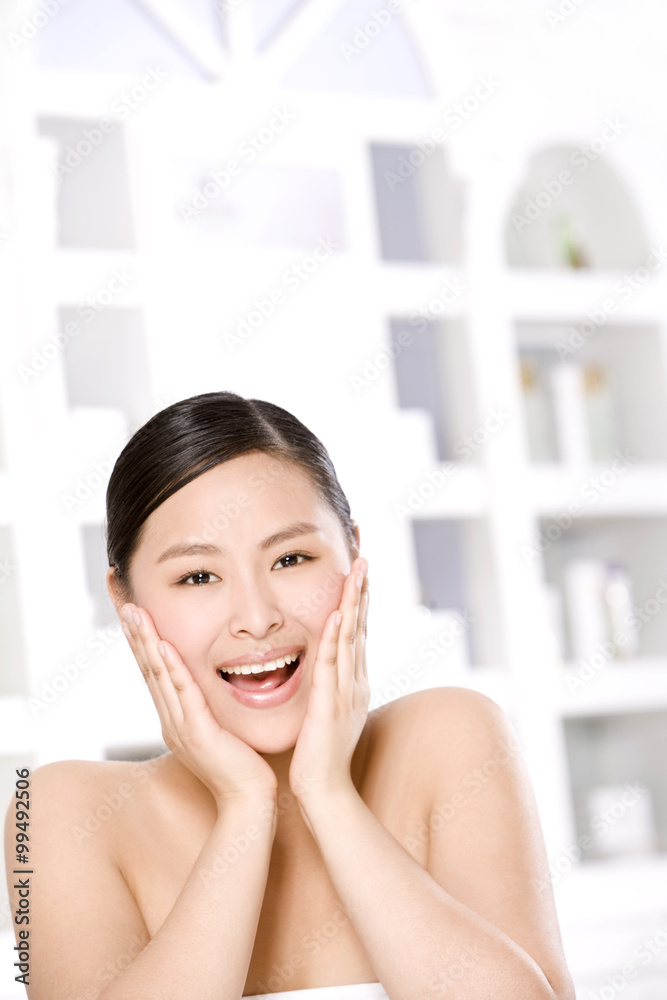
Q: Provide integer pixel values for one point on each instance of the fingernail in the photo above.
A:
(161, 649)
(136, 618)
(338, 619)
(126, 630)
(360, 580)
(126, 614)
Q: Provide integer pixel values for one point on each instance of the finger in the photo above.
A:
(159, 681)
(130, 630)
(191, 700)
(360, 667)
(350, 607)
(325, 679)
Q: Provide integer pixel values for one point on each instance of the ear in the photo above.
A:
(117, 591)
(357, 535)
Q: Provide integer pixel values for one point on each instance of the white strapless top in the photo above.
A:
(360, 991)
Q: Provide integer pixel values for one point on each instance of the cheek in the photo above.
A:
(180, 622)
(313, 604)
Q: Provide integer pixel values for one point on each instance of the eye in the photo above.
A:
(293, 556)
(200, 577)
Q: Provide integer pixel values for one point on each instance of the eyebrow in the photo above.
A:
(207, 548)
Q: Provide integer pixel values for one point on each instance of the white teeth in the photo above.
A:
(259, 668)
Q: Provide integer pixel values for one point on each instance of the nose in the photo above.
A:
(253, 609)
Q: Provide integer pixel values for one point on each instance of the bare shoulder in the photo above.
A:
(481, 837)
(447, 727)
(427, 743)
(74, 810)
(84, 802)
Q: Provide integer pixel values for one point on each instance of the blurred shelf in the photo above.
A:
(602, 889)
(607, 489)
(566, 294)
(463, 493)
(615, 688)
(7, 499)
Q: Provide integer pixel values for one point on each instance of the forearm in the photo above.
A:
(422, 943)
(204, 947)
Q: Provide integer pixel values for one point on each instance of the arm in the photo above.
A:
(473, 925)
(87, 936)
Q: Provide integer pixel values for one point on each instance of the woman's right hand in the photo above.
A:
(222, 761)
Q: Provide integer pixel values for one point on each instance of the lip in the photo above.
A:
(269, 699)
(273, 654)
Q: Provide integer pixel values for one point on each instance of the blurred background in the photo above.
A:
(434, 230)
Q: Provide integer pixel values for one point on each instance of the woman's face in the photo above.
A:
(236, 593)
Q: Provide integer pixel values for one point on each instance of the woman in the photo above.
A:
(290, 842)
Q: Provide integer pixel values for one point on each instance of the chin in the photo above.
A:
(274, 745)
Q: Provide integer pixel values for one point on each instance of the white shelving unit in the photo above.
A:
(157, 281)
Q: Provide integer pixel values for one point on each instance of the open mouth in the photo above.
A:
(265, 680)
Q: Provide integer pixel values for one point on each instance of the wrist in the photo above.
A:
(322, 797)
(264, 802)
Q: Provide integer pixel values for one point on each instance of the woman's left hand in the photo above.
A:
(339, 697)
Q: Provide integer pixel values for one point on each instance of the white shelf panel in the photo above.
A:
(492, 681)
(79, 274)
(439, 289)
(607, 911)
(606, 888)
(636, 686)
(7, 499)
(464, 493)
(18, 726)
(628, 490)
(537, 293)
(79, 94)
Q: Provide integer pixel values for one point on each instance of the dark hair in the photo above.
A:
(192, 436)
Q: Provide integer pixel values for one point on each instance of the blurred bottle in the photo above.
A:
(570, 414)
(601, 413)
(538, 410)
(618, 604)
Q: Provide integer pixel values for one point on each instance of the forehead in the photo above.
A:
(236, 502)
